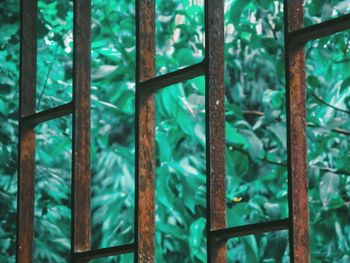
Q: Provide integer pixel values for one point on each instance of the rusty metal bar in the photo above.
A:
(174, 77)
(296, 127)
(252, 229)
(104, 252)
(320, 30)
(47, 115)
(81, 127)
(26, 133)
(215, 127)
(145, 133)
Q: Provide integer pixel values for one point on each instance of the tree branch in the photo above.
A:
(47, 76)
(266, 160)
(309, 124)
(326, 103)
(336, 130)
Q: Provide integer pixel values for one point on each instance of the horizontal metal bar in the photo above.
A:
(320, 30)
(46, 115)
(104, 252)
(252, 229)
(173, 77)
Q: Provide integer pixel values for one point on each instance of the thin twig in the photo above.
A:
(272, 29)
(9, 183)
(253, 112)
(47, 76)
(323, 168)
(309, 124)
(336, 130)
(326, 103)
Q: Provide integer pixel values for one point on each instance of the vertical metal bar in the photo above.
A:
(145, 132)
(297, 166)
(26, 140)
(81, 127)
(215, 127)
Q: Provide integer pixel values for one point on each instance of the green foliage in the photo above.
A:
(180, 184)
(55, 48)
(255, 124)
(255, 106)
(268, 248)
(255, 130)
(112, 129)
(9, 57)
(179, 33)
(121, 258)
(328, 111)
(319, 11)
(52, 191)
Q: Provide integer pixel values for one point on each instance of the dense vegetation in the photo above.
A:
(255, 130)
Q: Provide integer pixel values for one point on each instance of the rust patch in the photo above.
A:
(215, 131)
(145, 134)
(81, 128)
(26, 140)
(298, 180)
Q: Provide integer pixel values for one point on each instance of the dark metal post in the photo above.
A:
(26, 140)
(215, 127)
(81, 127)
(145, 133)
(296, 98)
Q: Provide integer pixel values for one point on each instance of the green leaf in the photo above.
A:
(103, 72)
(4, 107)
(163, 189)
(329, 187)
(184, 56)
(196, 239)
(255, 146)
(336, 201)
(235, 137)
(164, 147)
(313, 81)
(252, 252)
(236, 9)
(345, 84)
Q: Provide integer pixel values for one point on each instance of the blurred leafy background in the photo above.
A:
(255, 130)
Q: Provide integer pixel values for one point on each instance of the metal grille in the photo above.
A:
(147, 84)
